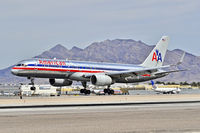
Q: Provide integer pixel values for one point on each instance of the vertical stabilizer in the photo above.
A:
(153, 85)
(157, 55)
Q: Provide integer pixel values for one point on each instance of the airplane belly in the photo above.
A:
(26, 73)
(42, 74)
(78, 77)
(52, 74)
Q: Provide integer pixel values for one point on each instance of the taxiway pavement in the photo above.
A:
(169, 117)
(109, 119)
(68, 100)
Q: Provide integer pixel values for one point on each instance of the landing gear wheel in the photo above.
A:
(111, 91)
(82, 90)
(87, 92)
(105, 91)
(32, 88)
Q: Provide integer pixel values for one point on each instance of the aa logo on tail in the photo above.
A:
(157, 56)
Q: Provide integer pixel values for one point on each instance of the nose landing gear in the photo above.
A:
(32, 83)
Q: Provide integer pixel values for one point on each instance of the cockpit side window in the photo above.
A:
(21, 65)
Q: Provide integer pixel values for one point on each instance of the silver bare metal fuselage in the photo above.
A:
(76, 70)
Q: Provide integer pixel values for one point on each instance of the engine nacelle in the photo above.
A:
(60, 82)
(101, 80)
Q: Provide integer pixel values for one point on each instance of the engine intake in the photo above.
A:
(60, 82)
(101, 80)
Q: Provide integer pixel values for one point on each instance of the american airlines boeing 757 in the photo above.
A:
(64, 72)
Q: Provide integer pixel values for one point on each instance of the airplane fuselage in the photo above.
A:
(167, 90)
(75, 70)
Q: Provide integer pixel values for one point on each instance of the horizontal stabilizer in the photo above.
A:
(181, 60)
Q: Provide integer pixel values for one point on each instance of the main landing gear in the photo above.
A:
(85, 91)
(109, 91)
(32, 83)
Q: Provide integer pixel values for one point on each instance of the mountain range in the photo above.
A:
(117, 51)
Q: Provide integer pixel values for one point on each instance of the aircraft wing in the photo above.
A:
(167, 72)
(144, 71)
(129, 72)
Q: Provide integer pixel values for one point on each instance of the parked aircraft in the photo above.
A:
(64, 72)
(165, 90)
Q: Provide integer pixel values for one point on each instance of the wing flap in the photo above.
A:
(167, 72)
(136, 72)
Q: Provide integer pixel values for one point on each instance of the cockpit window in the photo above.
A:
(20, 65)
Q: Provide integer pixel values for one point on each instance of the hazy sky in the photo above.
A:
(28, 27)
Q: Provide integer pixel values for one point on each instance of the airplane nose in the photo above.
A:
(14, 71)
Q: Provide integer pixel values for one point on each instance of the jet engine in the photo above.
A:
(60, 82)
(101, 80)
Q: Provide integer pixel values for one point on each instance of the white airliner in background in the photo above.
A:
(165, 90)
(63, 72)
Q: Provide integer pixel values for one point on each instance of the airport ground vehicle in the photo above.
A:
(45, 90)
